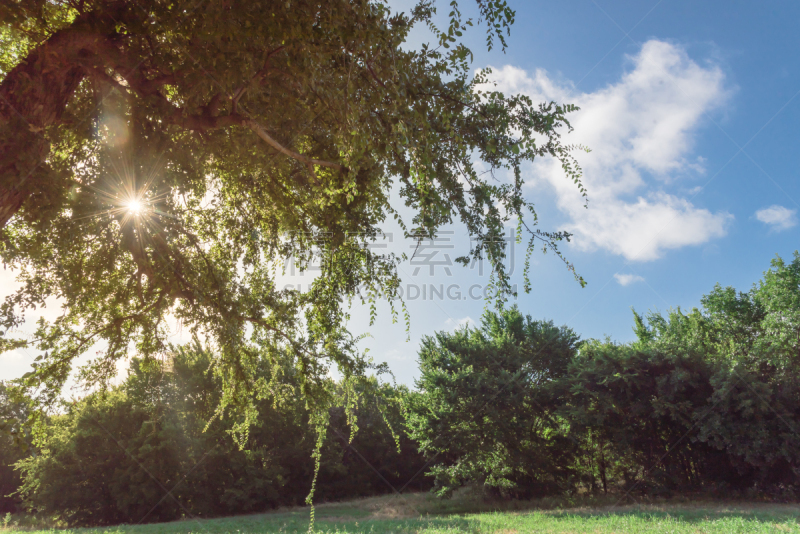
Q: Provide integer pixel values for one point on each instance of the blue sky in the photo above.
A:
(691, 111)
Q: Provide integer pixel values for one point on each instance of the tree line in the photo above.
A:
(704, 401)
(707, 400)
(157, 448)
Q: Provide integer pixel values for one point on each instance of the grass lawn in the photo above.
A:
(421, 513)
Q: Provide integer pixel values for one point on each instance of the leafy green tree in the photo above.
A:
(485, 412)
(705, 400)
(740, 350)
(380, 457)
(158, 158)
(756, 415)
(111, 458)
(754, 419)
(637, 409)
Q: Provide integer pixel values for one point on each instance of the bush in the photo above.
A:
(13, 447)
(145, 451)
(485, 412)
(637, 410)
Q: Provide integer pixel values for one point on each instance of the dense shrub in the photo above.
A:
(485, 411)
(13, 447)
(752, 341)
(637, 411)
(146, 451)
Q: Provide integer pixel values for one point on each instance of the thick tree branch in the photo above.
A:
(262, 133)
(208, 120)
(34, 95)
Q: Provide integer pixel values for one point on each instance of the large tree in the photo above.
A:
(157, 158)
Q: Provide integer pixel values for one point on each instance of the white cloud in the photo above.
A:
(778, 217)
(455, 324)
(628, 279)
(640, 131)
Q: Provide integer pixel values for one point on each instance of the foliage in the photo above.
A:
(703, 401)
(161, 159)
(485, 410)
(636, 411)
(381, 458)
(706, 400)
(13, 447)
(145, 451)
(757, 403)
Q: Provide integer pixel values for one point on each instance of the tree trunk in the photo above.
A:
(34, 96)
(603, 469)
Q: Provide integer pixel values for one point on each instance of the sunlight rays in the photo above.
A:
(123, 194)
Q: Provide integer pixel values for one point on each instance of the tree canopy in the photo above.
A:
(159, 159)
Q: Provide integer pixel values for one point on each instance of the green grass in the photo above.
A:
(423, 514)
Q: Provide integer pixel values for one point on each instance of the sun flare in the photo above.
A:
(135, 207)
